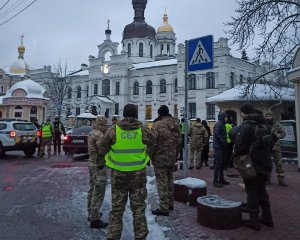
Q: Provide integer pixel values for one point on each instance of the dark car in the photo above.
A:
(77, 141)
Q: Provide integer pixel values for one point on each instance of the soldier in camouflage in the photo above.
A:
(98, 175)
(198, 137)
(168, 136)
(123, 144)
(278, 131)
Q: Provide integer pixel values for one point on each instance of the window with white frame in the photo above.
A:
(136, 88)
(163, 87)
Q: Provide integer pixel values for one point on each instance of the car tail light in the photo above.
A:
(12, 133)
(39, 133)
(66, 138)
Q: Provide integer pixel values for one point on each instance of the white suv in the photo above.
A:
(18, 135)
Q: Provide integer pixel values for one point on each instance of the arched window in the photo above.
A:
(106, 87)
(141, 49)
(18, 112)
(151, 51)
(162, 84)
(136, 88)
(1, 89)
(69, 93)
(232, 78)
(0, 114)
(78, 92)
(210, 80)
(175, 85)
(33, 110)
(33, 113)
(168, 49)
(149, 87)
(129, 49)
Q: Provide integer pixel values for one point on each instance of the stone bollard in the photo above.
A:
(217, 213)
(187, 190)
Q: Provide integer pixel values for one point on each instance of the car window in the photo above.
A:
(24, 126)
(3, 126)
(82, 130)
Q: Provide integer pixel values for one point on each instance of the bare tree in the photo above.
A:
(273, 23)
(57, 88)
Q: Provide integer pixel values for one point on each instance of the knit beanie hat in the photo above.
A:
(163, 111)
(247, 108)
(130, 111)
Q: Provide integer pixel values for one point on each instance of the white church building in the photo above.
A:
(149, 72)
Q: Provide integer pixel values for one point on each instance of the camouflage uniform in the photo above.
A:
(198, 136)
(168, 136)
(278, 130)
(124, 183)
(97, 169)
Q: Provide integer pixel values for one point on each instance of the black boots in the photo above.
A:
(98, 224)
(252, 223)
(266, 217)
(160, 212)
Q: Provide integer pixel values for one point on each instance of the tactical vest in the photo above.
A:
(128, 153)
(46, 131)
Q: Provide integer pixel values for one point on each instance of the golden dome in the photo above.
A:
(166, 27)
(21, 48)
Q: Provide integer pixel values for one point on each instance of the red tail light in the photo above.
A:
(66, 138)
(39, 133)
(12, 133)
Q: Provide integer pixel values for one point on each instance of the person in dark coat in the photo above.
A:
(262, 142)
(219, 145)
(205, 150)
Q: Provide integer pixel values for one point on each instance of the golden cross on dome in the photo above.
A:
(22, 37)
(108, 24)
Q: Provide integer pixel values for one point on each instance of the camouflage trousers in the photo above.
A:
(195, 151)
(278, 163)
(165, 187)
(124, 184)
(45, 142)
(98, 178)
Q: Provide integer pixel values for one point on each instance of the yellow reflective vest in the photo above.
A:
(228, 127)
(128, 153)
(46, 131)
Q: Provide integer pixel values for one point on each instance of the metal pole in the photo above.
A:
(185, 154)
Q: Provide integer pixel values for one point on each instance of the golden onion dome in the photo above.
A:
(166, 27)
(21, 48)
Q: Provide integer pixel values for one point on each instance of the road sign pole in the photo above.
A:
(185, 154)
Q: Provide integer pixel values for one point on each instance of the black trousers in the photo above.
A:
(257, 195)
(204, 154)
(219, 164)
(57, 143)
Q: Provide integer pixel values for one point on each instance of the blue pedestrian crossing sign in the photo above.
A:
(200, 53)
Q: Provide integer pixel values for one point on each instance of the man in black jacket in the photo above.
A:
(261, 140)
(58, 130)
(219, 145)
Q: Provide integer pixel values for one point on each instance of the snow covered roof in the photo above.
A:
(81, 73)
(32, 89)
(104, 99)
(261, 92)
(155, 64)
(86, 115)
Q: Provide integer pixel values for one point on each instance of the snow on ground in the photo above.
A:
(73, 209)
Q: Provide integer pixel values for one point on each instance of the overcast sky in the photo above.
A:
(71, 29)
